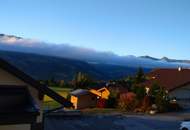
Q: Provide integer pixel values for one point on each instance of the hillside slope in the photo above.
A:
(47, 67)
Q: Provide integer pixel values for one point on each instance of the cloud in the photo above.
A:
(12, 43)
(12, 40)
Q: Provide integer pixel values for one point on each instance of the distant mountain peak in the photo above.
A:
(165, 58)
(149, 57)
(9, 36)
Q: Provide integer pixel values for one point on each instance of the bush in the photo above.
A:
(163, 105)
(113, 99)
(111, 102)
(162, 101)
(146, 103)
(127, 101)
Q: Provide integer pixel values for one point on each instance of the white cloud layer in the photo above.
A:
(12, 43)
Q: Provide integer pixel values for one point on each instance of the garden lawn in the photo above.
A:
(49, 103)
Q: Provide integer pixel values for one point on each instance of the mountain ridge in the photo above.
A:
(19, 44)
(165, 59)
(43, 67)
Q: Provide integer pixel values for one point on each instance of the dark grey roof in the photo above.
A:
(79, 92)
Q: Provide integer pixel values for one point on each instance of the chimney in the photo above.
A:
(179, 68)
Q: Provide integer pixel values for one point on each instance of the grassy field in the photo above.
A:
(49, 103)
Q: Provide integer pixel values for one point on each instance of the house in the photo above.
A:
(82, 98)
(102, 96)
(175, 81)
(21, 99)
(101, 93)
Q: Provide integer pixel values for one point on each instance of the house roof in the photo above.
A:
(28, 79)
(79, 92)
(169, 78)
(100, 91)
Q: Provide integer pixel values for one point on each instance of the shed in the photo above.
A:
(82, 98)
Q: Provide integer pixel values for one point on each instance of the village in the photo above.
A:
(161, 90)
(35, 103)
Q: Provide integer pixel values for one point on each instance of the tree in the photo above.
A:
(140, 77)
(162, 100)
(140, 91)
(154, 90)
(160, 97)
(61, 83)
(129, 81)
(81, 80)
(52, 82)
(127, 101)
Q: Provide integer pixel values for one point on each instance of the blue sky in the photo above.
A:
(126, 27)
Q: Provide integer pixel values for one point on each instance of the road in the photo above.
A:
(112, 122)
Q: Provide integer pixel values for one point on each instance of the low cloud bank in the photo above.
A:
(12, 43)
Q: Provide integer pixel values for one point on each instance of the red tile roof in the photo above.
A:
(169, 78)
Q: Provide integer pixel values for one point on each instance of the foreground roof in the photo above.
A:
(169, 78)
(28, 79)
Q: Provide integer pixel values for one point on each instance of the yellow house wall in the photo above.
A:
(9, 79)
(74, 101)
(105, 94)
(84, 101)
(15, 127)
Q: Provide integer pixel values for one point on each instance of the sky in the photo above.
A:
(125, 27)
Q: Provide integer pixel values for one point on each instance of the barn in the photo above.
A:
(175, 81)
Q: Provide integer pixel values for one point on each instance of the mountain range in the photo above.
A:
(166, 59)
(43, 67)
(61, 61)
